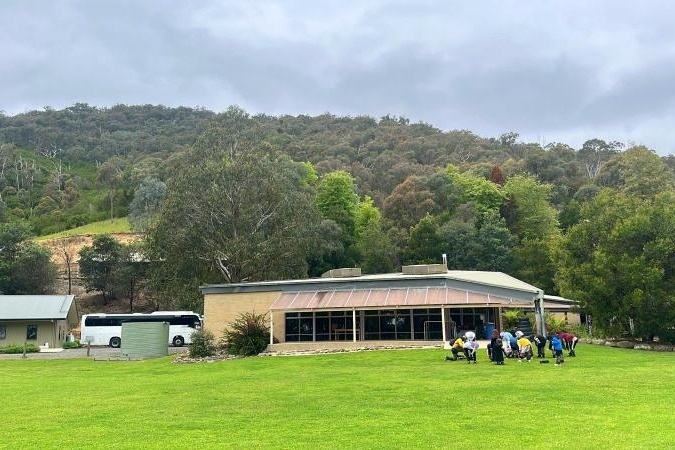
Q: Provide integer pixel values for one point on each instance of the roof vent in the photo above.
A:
(424, 269)
(342, 273)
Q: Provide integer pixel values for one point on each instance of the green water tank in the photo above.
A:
(145, 339)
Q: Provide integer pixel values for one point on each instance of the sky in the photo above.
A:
(552, 71)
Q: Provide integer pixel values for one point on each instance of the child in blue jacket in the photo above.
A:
(557, 347)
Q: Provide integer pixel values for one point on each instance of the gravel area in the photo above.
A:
(94, 353)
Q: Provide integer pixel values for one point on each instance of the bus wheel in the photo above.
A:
(178, 341)
(115, 342)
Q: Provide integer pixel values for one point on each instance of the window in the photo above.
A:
(31, 332)
(299, 326)
(427, 324)
(387, 324)
(3, 332)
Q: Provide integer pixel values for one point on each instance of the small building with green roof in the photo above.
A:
(36, 319)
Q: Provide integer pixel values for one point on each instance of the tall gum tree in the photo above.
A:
(236, 211)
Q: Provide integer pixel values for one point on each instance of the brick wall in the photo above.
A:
(221, 309)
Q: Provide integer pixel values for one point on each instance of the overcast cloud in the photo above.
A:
(563, 71)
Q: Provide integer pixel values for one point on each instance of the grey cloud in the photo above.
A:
(568, 69)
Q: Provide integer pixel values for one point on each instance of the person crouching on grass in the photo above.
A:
(470, 349)
(457, 347)
(540, 342)
(510, 344)
(492, 346)
(498, 352)
(524, 347)
(570, 342)
(557, 347)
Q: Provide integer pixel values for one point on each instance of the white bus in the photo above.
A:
(106, 329)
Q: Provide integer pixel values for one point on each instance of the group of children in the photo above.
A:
(506, 345)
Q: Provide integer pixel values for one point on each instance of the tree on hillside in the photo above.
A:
(409, 203)
(375, 250)
(483, 194)
(131, 273)
(528, 212)
(236, 211)
(98, 264)
(595, 152)
(425, 245)
(146, 203)
(110, 176)
(496, 176)
(534, 225)
(4, 217)
(638, 171)
(32, 271)
(485, 244)
(25, 267)
(337, 200)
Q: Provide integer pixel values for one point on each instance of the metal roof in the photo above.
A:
(462, 279)
(26, 307)
(390, 298)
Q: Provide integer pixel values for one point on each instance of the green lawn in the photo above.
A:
(118, 225)
(606, 398)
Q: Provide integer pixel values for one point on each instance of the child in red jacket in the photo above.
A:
(570, 341)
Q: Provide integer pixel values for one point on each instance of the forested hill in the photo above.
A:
(83, 133)
(64, 163)
(230, 197)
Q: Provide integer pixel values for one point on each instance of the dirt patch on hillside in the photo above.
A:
(65, 255)
(68, 248)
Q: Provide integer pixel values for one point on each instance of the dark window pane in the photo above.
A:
(372, 327)
(306, 326)
(31, 332)
(322, 325)
(292, 326)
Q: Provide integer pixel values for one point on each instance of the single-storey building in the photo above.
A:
(421, 304)
(564, 309)
(36, 319)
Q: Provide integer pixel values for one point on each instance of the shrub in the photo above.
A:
(74, 344)
(553, 324)
(203, 344)
(248, 335)
(18, 348)
(511, 317)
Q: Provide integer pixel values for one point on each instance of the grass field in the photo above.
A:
(118, 225)
(606, 398)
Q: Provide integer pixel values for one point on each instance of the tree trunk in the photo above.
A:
(112, 196)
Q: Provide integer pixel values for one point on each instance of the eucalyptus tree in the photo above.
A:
(146, 203)
(637, 171)
(235, 211)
